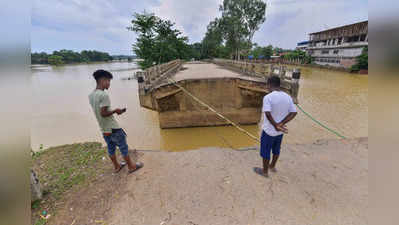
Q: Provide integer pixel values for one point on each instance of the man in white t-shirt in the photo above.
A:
(278, 109)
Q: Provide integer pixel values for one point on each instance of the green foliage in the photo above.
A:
(212, 42)
(259, 52)
(35, 204)
(362, 61)
(158, 41)
(55, 60)
(69, 56)
(298, 54)
(231, 35)
(239, 22)
(39, 58)
(40, 221)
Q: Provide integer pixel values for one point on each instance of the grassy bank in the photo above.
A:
(63, 169)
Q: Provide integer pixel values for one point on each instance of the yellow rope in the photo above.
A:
(213, 110)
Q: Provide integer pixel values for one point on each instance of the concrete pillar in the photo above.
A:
(282, 73)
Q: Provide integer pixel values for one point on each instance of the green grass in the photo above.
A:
(40, 221)
(61, 168)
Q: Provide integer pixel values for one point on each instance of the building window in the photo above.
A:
(339, 41)
(325, 51)
(336, 51)
(363, 37)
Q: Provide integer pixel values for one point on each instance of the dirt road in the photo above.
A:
(321, 183)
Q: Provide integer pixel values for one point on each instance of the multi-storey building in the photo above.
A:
(302, 45)
(338, 46)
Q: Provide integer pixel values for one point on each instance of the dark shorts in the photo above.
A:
(117, 138)
(270, 144)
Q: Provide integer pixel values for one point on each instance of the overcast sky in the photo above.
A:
(101, 24)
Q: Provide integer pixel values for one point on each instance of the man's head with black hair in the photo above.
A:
(103, 79)
(273, 82)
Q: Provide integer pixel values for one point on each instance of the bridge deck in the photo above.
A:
(208, 70)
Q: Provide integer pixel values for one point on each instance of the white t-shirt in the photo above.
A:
(279, 104)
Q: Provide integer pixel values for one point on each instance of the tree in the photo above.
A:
(240, 20)
(55, 60)
(363, 59)
(195, 52)
(212, 42)
(268, 52)
(157, 42)
(39, 58)
(259, 52)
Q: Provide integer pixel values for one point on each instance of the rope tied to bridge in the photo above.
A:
(319, 123)
(242, 129)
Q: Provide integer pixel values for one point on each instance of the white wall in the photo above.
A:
(342, 52)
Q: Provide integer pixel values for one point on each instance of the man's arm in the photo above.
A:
(104, 104)
(277, 126)
(271, 120)
(288, 118)
(106, 113)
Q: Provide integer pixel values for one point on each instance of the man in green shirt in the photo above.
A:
(112, 133)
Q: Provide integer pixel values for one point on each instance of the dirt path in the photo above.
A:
(321, 183)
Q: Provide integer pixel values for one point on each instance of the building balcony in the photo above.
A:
(343, 45)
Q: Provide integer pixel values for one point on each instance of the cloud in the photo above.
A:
(191, 16)
(289, 22)
(101, 24)
(84, 24)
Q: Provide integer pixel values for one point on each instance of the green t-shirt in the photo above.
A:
(98, 99)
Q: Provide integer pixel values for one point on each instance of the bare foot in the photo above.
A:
(261, 172)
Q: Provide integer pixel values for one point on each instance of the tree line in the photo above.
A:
(297, 54)
(68, 56)
(227, 37)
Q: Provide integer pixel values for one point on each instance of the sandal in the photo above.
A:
(139, 165)
(121, 165)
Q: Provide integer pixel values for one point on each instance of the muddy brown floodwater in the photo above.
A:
(62, 114)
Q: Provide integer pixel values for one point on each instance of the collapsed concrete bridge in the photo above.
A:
(233, 88)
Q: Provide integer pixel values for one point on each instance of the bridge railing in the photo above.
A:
(289, 77)
(155, 75)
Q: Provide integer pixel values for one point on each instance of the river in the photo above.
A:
(62, 114)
